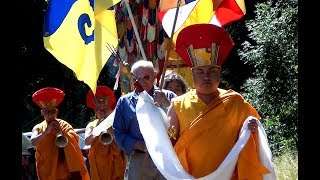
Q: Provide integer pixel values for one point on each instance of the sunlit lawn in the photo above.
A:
(286, 166)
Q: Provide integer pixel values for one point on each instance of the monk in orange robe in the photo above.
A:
(56, 159)
(206, 121)
(107, 161)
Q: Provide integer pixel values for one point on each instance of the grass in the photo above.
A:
(286, 166)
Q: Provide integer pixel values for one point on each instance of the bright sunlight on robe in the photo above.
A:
(48, 165)
(153, 126)
(217, 129)
(107, 162)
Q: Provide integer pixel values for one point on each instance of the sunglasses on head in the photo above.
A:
(145, 77)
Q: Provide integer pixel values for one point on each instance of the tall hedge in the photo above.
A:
(273, 89)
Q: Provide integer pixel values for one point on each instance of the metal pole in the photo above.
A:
(169, 48)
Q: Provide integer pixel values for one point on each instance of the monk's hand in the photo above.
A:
(160, 99)
(172, 132)
(252, 124)
(53, 127)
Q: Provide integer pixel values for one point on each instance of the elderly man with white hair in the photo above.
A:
(126, 127)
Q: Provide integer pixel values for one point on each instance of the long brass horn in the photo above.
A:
(105, 138)
(61, 141)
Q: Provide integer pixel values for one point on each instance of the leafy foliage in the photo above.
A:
(273, 89)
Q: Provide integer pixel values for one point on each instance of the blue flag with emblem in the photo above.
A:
(76, 33)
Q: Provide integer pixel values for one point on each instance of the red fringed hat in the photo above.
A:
(48, 97)
(104, 95)
(203, 44)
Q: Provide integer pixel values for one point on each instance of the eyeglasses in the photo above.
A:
(145, 77)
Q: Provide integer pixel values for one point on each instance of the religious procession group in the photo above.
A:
(175, 129)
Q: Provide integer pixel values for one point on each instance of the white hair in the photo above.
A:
(141, 63)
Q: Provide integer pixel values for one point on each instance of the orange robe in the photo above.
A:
(47, 163)
(208, 133)
(107, 162)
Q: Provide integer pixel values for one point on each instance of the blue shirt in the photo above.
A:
(125, 124)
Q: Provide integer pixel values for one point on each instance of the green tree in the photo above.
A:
(273, 89)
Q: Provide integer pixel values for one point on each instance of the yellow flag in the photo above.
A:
(76, 33)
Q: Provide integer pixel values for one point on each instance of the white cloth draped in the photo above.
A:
(104, 125)
(153, 125)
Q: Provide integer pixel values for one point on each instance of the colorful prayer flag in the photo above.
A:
(218, 12)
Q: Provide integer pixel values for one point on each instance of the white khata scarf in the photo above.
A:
(153, 125)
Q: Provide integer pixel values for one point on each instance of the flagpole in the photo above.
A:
(169, 48)
(135, 29)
